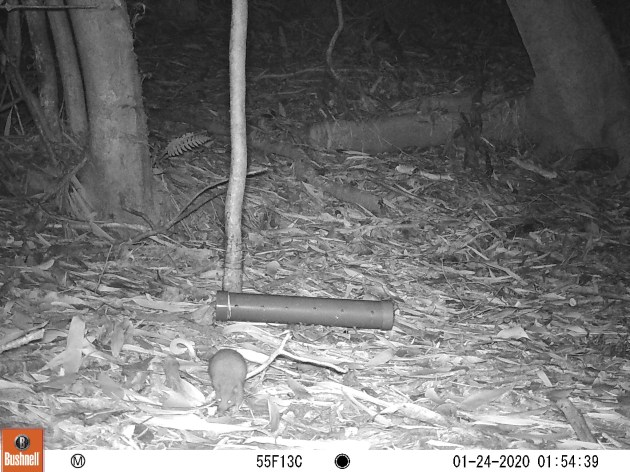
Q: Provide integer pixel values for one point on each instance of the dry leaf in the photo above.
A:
(482, 397)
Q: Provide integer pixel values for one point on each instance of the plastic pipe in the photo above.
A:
(306, 310)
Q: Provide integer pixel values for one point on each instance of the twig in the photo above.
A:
(307, 360)
(271, 358)
(31, 102)
(65, 181)
(333, 40)
(100, 276)
(185, 212)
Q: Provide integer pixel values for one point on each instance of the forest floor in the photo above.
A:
(511, 287)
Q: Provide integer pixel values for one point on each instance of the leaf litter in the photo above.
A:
(512, 323)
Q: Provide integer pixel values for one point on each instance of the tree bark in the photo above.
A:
(434, 123)
(580, 96)
(118, 175)
(45, 66)
(233, 274)
(69, 71)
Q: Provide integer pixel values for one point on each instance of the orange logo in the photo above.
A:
(22, 450)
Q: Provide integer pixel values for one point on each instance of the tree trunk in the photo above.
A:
(117, 177)
(233, 273)
(434, 122)
(45, 66)
(580, 97)
(70, 72)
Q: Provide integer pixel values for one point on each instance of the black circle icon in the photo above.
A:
(22, 442)
(342, 461)
(77, 461)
